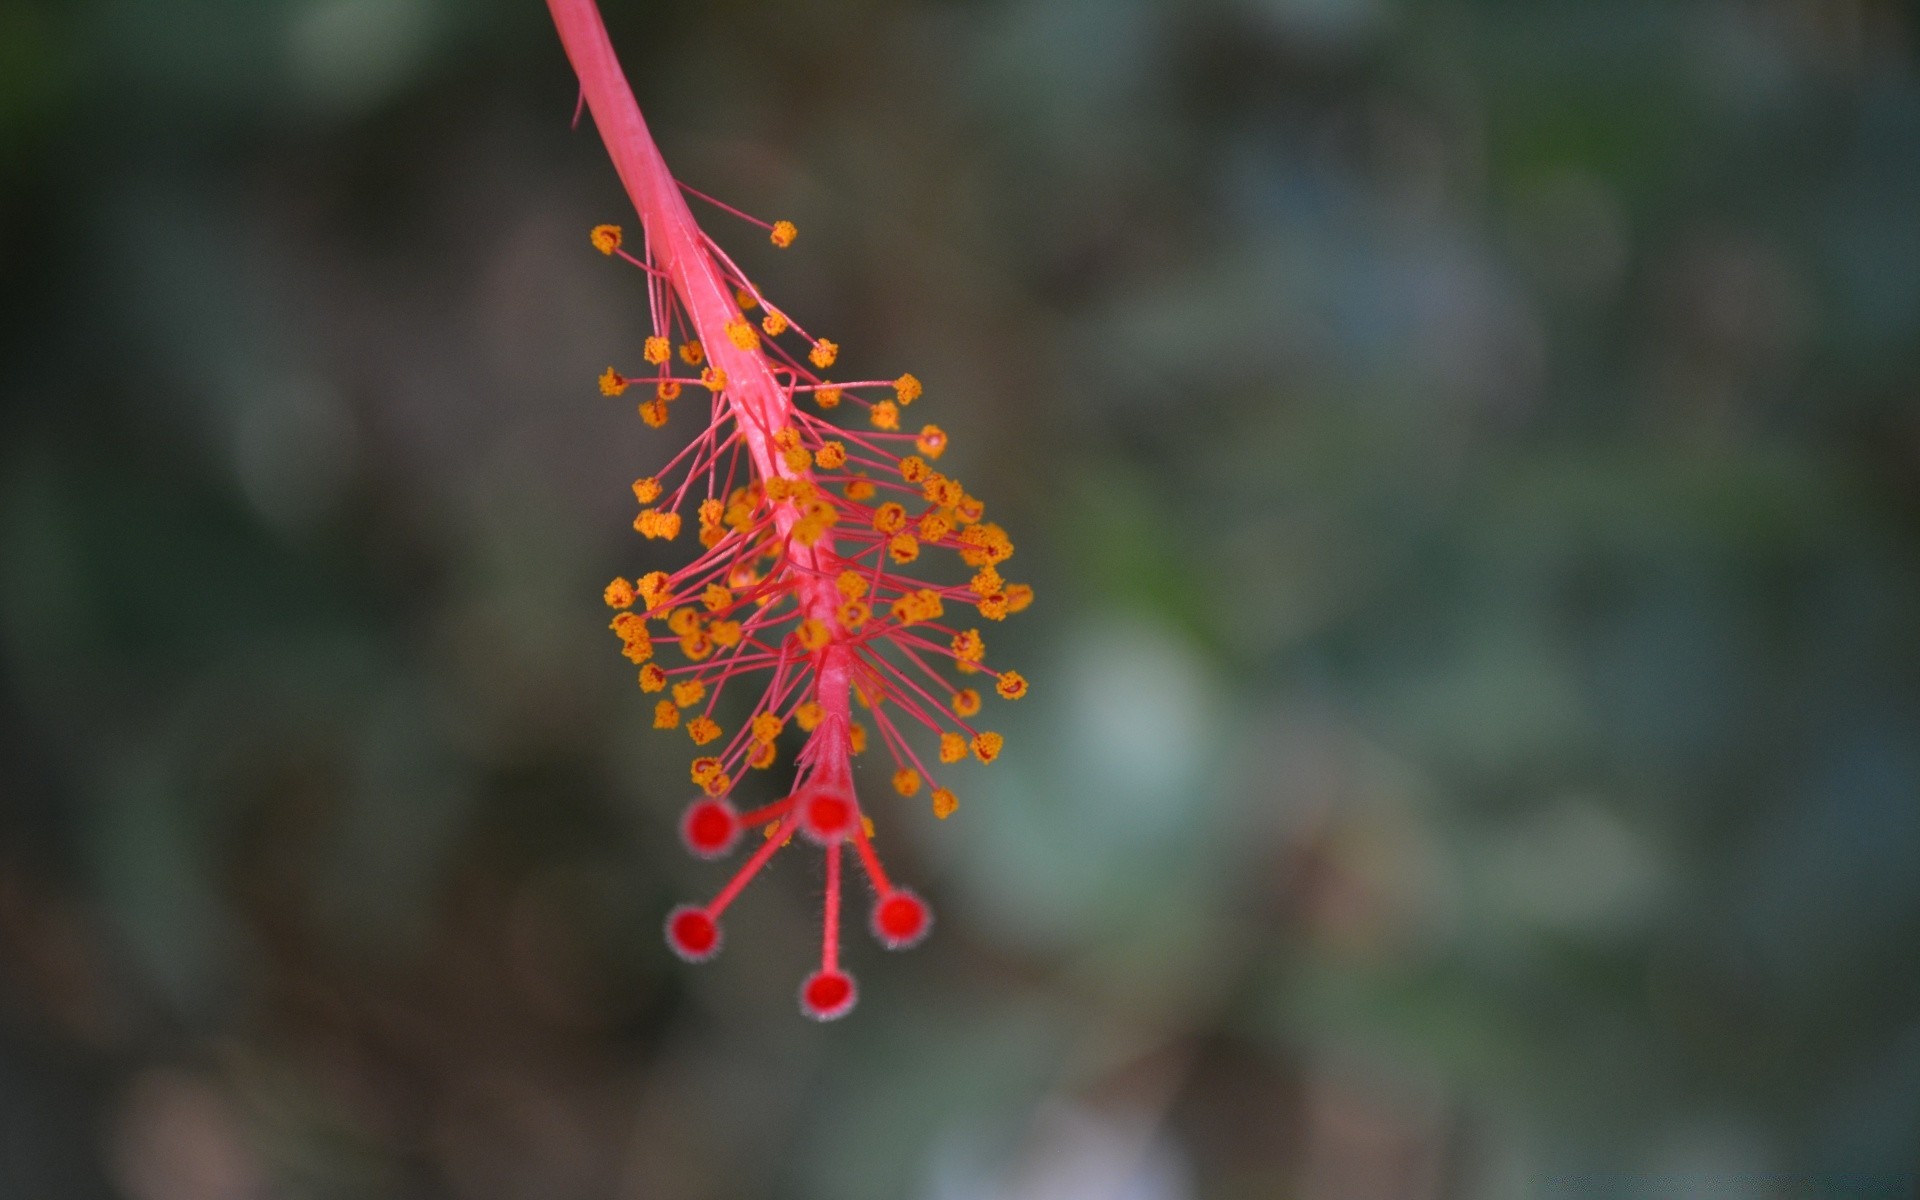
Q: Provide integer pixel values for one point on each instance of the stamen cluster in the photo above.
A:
(800, 595)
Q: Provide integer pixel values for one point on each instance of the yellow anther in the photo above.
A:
(913, 468)
(811, 530)
(827, 397)
(779, 489)
(903, 548)
(935, 524)
(619, 594)
(968, 646)
(667, 389)
(890, 518)
(985, 582)
(831, 456)
(1012, 685)
(994, 607)
(932, 441)
(654, 588)
(745, 300)
(783, 233)
(646, 490)
(612, 382)
(823, 354)
(853, 615)
(812, 634)
(692, 353)
(666, 715)
(763, 756)
(984, 545)
(856, 737)
(767, 726)
(1019, 596)
(605, 238)
(743, 335)
(852, 584)
(704, 729)
(885, 415)
(709, 511)
(797, 459)
(696, 645)
(786, 438)
(657, 351)
(654, 412)
(906, 389)
(725, 633)
(716, 597)
(966, 702)
(689, 692)
(986, 746)
(866, 827)
(718, 784)
(858, 489)
(705, 769)
(652, 678)
(632, 629)
(953, 747)
(808, 716)
(969, 510)
(774, 323)
(906, 782)
(923, 605)
(684, 620)
(944, 803)
(940, 490)
(713, 379)
(654, 523)
(635, 643)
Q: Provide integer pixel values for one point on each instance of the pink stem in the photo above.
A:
(830, 936)
(871, 862)
(749, 869)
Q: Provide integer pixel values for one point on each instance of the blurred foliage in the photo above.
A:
(1467, 454)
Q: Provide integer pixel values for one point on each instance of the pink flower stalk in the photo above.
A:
(803, 523)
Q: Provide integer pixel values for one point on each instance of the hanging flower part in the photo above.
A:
(796, 595)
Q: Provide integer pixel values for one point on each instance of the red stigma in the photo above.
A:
(901, 920)
(692, 934)
(828, 995)
(827, 818)
(710, 828)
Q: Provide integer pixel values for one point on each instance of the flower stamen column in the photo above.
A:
(797, 585)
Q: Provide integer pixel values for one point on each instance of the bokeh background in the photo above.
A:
(1467, 455)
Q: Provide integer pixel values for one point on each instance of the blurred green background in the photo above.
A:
(1467, 455)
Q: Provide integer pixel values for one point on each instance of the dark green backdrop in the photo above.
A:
(1469, 461)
